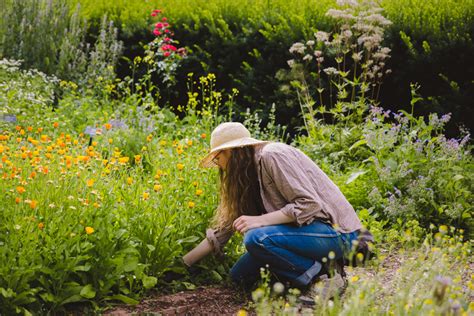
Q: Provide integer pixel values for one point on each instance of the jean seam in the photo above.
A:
(301, 234)
(260, 243)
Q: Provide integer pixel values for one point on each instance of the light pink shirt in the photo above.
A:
(292, 183)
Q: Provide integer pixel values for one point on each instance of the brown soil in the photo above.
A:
(210, 300)
(222, 300)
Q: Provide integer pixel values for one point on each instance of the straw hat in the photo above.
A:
(228, 135)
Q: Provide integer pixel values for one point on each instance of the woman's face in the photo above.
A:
(222, 158)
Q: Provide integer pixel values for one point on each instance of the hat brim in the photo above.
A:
(207, 162)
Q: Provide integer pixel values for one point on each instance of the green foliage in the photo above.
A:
(49, 36)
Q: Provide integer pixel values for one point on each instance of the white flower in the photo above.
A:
(331, 71)
(321, 36)
(291, 63)
(297, 48)
(308, 57)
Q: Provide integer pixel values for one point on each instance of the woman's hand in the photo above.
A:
(245, 222)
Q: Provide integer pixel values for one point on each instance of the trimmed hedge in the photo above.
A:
(246, 44)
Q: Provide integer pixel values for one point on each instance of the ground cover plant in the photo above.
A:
(102, 194)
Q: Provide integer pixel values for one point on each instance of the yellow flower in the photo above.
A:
(162, 142)
(156, 187)
(195, 183)
(146, 195)
(198, 192)
(111, 140)
(149, 138)
(242, 312)
(90, 182)
(138, 158)
(190, 142)
(129, 180)
(443, 229)
(180, 166)
(191, 204)
(123, 160)
(89, 230)
(355, 278)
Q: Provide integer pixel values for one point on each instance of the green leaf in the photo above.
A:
(72, 299)
(130, 265)
(8, 293)
(189, 286)
(88, 291)
(458, 177)
(122, 298)
(354, 176)
(149, 282)
(357, 144)
(86, 267)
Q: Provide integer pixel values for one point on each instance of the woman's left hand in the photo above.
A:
(245, 222)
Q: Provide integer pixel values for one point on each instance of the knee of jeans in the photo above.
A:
(252, 239)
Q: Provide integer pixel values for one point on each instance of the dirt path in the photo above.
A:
(223, 300)
(209, 300)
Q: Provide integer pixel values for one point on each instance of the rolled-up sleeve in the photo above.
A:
(293, 184)
(218, 238)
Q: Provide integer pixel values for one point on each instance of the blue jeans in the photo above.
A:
(294, 254)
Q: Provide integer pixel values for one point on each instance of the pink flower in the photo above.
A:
(167, 39)
(164, 19)
(153, 14)
(171, 47)
(166, 54)
(159, 25)
(167, 31)
(164, 47)
(166, 24)
(156, 32)
(157, 11)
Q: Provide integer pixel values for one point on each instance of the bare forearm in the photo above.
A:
(275, 218)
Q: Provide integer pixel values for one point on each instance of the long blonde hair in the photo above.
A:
(239, 188)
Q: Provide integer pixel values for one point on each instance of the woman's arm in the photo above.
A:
(244, 222)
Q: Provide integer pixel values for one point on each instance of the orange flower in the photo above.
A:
(33, 203)
(90, 182)
(190, 142)
(108, 126)
(18, 128)
(29, 128)
(149, 138)
(41, 225)
(20, 189)
(203, 135)
(138, 158)
(17, 200)
(55, 124)
(89, 230)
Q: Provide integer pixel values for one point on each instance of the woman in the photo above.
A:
(292, 216)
